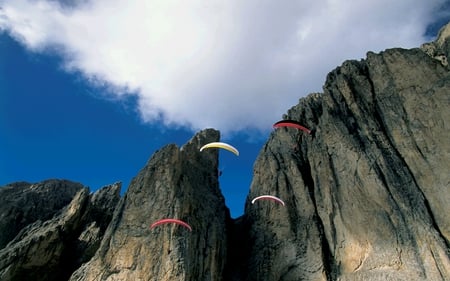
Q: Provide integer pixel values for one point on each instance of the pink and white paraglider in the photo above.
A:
(268, 197)
(176, 221)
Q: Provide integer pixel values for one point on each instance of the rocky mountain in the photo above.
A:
(366, 195)
(64, 227)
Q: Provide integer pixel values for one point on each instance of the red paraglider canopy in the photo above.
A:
(291, 123)
(164, 221)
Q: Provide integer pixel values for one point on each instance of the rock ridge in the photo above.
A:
(366, 195)
(366, 192)
(51, 249)
(176, 183)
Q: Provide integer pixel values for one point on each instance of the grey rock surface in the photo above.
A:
(366, 195)
(367, 192)
(52, 249)
(176, 183)
(23, 203)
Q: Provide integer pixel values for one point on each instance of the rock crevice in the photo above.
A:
(366, 195)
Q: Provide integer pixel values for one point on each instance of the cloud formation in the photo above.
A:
(230, 65)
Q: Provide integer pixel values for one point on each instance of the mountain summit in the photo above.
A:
(363, 194)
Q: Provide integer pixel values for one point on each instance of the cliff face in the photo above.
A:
(175, 183)
(367, 192)
(366, 195)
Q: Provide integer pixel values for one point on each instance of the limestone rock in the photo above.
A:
(367, 192)
(96, 219)
(175, 183)
(440, 48)
(52, 249)
(367, 195)
(23, 203)
(37, 251)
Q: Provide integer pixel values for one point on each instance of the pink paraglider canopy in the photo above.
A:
(164, 221)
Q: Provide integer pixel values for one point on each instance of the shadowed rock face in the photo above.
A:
(54, 248)
(366, 195)
(367, 192)
(23, 203)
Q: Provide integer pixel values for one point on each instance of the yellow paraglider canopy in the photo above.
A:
(220, 145)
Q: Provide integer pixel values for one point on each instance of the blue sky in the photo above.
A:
(54, 127)
(88, 92)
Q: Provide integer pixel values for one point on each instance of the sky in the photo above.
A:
(90, 89)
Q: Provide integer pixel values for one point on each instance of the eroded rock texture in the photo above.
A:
(367, 193)
(175, 183)
(23, 203)
(52, 248)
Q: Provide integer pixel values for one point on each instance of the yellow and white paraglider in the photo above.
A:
(220, 145)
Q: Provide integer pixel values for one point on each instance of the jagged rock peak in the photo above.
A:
(367, 193)
(175, 183)
(440, 48)
(107, 196)
(443, 35)
(201, 138)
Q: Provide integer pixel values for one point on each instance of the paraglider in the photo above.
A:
(268, 197)
(291, 123)
(176, 221)
(220, 145)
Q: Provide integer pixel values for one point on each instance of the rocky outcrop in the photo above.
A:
(178, 183)
(54, 248)
(23, 203)
(366, 195)
(440, 48)
(367, 192)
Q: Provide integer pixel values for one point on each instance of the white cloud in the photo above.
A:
(224, 64)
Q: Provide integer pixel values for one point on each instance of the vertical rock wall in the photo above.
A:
(366, 195)
(367, 192)
(175, 183)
